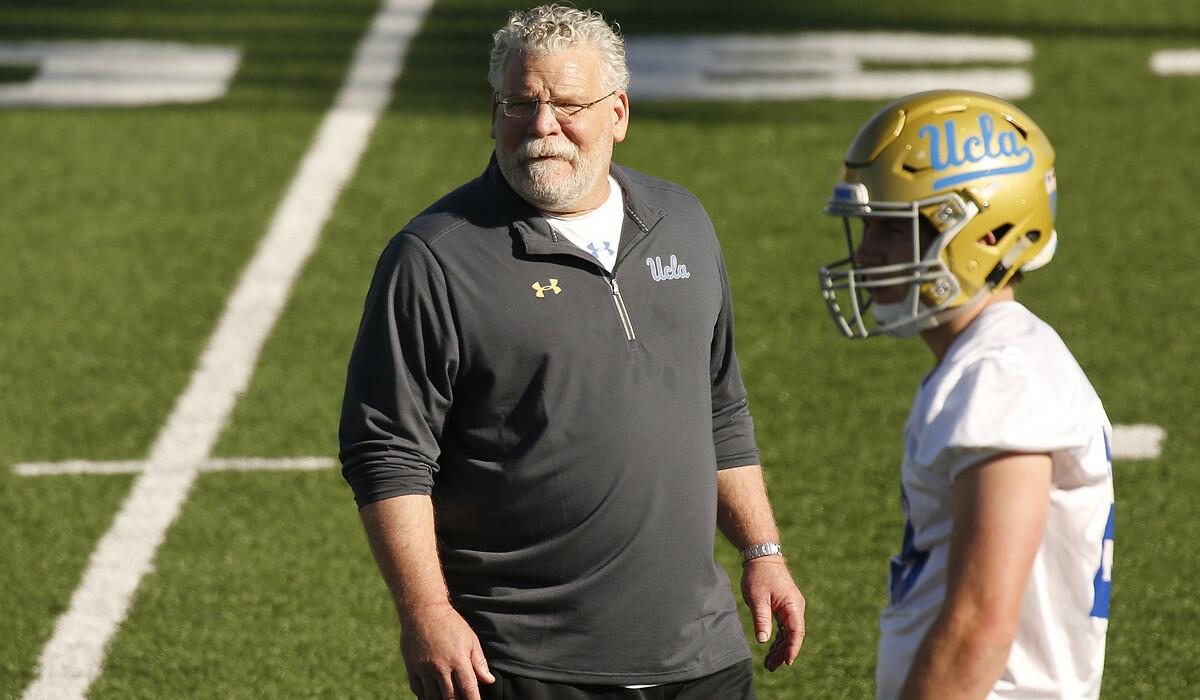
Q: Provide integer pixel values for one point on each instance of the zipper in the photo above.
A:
(621, 310)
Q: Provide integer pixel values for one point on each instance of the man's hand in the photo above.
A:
(441, 652)
(744, 515)
(442, 655)
(768, 589)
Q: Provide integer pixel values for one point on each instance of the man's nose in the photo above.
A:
(545, 122)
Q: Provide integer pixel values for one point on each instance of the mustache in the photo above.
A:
(547, 149)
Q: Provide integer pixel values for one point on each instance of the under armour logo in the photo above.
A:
(541, 291)
(596, 251)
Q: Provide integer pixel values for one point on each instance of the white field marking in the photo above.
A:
(83, 466)
(1138, 441)
(269, 464)
(116, 73)
(820, 65)
(1141, 441)
(73, 657)
(1176, 62)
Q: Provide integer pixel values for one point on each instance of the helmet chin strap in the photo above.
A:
(897, 313)
(889, 314)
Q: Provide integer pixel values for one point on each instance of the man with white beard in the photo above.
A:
(546, 362)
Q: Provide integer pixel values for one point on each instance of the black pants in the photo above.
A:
(733, 683)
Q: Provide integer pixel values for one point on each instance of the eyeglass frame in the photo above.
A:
(555, 107)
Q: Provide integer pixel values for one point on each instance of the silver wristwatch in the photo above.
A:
(763, 549)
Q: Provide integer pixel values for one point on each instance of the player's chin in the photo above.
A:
(887, 295)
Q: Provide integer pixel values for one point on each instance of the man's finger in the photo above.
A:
(791, 620)
(480, 665)
(760, 608)
(795, 641)
(445, 682)
(414, 684)
(465, 683)
(775, 655)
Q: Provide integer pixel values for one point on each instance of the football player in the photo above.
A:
(1001, 587)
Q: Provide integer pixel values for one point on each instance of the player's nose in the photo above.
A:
(869, 252)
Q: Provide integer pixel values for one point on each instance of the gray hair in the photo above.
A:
(550, 28)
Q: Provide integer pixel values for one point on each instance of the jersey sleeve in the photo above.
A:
(1000, 404)
(399, 384)
(733, 427)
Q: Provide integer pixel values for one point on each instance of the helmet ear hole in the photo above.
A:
(991, 238)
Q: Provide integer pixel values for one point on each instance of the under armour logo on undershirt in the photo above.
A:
(540, 291)
(607, 250)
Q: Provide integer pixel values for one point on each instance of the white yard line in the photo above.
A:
(1136, 441)
(74, 656)
(1139, 441)
(244, 464)
(80, 466)
(1176, 62)
(84, 466)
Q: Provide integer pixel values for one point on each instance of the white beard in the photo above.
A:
(541, 184)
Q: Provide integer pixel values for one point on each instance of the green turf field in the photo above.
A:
(124, 230)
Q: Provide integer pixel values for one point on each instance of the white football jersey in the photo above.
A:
(1009, 384)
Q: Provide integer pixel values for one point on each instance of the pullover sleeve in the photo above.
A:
(733, 428)
(399, 383)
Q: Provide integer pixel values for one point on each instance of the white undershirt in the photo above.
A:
(597, 232)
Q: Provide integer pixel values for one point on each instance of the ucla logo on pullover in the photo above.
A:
(673, 270)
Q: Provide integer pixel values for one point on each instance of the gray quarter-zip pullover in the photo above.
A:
(567, 422)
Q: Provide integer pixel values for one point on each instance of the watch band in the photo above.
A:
(762, 549)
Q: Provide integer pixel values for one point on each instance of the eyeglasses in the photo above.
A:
(525, 107)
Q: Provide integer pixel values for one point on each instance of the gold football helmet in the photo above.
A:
(961, 165)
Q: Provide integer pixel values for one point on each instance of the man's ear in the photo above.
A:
(620, 112)
(988, 239)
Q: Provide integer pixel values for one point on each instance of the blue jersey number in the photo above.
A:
(1102, 584)
(907, 565)
(1103, 581)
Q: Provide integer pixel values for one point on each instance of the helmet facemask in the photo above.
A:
(933, 292)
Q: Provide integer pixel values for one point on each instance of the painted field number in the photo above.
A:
(824, 65)
(115, 73)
